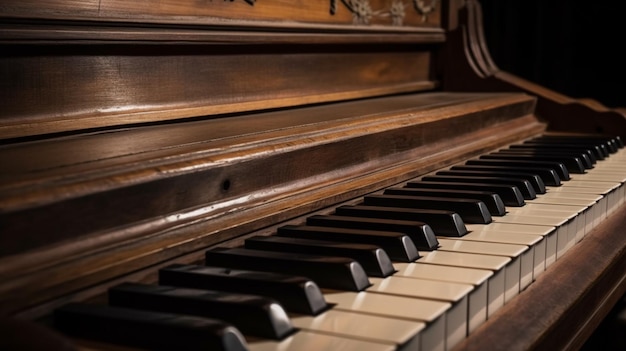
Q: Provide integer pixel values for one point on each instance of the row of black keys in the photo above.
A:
(336, 251)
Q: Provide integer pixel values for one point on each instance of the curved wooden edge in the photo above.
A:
(467, 66)
(561, 309)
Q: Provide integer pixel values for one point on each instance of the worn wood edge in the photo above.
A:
(47, 187)
(208, 21)
(40, 125)
(154, 242)
(561, 309)
(261, 33)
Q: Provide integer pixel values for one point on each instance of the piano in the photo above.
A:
(148, 147)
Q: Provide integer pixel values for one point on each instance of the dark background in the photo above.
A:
(571, 46)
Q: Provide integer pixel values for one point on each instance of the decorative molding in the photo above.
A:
(362, 11)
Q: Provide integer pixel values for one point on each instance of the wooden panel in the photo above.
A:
(48, 89)
(363, 12)
(143, 200)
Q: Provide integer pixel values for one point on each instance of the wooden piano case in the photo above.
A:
(137, 134)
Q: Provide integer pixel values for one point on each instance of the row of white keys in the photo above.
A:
(432, 313)
(569, 213)
(405, 313)
(571, 209)
(312, 341)
(480, 279)
(425, 311)
(518, 272)
(367, 321)
(542, 239)
(534, 237)
(494, 269)
(397, 312)
(612, 191)
(551, 225)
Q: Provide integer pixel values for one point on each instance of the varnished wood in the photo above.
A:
(478, 72)
(134, 136)
(238, 12)
(93, 86)
(142, 194)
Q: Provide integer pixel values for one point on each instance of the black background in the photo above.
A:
(571, 46)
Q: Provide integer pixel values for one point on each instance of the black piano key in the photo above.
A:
(557, 167)
(470, 210)
(524, 186)
(399, 246)
(534, 179)
(595, 150)
(420, 233)
(295, 293)
(600, 150)
(251, 314)
(619, 143)
(510, 194)
(373, 259)
(444, 223)
(491, 199)
(587, 153)
(572, 164)
(583, 158)
(329, 272)
(609, 144)
(547, 175)
(147, 329)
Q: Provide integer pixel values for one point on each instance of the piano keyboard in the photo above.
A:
(352, 279)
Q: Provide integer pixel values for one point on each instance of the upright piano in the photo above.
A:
(140, 139)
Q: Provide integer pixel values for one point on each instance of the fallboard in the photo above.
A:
(82, 65)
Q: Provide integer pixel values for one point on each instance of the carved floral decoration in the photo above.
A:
(362, 11)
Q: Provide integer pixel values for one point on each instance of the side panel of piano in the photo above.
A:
(139, 134)
(576, 294)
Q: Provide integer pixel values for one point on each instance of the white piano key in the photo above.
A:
(402, 333)
(308, 341)
(598, 175)
(596, 203)
(454, 293)
(433, 313)
(522, 259)
(535, 243)
(479, 278)
(565, 229)
(574, 221)
(607, 177)
(606, 202)
(495, 229)
(496, 264)
(612, 190)
(589, 214)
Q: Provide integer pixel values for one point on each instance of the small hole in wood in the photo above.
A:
(226, 185)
